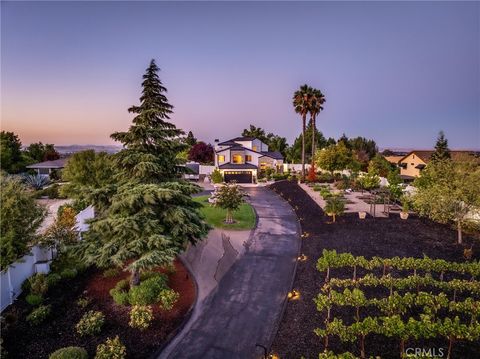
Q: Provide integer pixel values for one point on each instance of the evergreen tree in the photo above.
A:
(12, 159)
(152, 143)
(150, 217)
(442, 152)
(190, 139)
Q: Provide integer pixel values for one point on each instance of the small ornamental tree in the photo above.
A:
(334, 207)
(229, 197)
(20, 217)
(334, 158)
(312, 175)
(217, 176)
(62, 232)
(202, 153)
(448, 192)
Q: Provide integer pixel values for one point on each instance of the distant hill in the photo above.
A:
(65, 150)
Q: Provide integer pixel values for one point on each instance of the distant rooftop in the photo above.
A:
(60, 163)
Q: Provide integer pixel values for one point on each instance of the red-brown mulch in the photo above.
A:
(21, 340)
(384, 237)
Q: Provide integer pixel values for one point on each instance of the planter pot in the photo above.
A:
(362, 215)
(403, 215)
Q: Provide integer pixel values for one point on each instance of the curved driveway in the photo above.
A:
(246, 305)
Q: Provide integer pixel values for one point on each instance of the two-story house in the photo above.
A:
(240, 159)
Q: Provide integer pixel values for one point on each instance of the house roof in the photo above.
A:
(232, 141)
(273, 154)
(60, 163)
(238, 166)
(394, 159)
(425, 156)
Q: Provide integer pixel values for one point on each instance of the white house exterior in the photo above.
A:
(240, 159)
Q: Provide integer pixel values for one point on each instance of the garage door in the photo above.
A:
(238, 176)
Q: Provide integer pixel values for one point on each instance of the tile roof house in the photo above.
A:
(412, 164)
(240, 159)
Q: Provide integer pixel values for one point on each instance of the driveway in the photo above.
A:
(247, 278)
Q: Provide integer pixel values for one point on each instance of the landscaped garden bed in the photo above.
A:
(24, 340)
(372, 237)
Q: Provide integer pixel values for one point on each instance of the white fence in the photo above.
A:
(37, 261)
(11, 280)
(206, 170)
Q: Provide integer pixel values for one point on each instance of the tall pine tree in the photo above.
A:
(150, 217)
(442, 152)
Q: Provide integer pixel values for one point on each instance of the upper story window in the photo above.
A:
(248, 158)
(237, 159)
(254, 148)
(221, 158)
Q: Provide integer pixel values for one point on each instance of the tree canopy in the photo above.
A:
(448, 192)
(334, 158)
(442, 152)
(40, 152)
(20, 217)
(12, 159)
(202, 153)
(190, 139)
(148, 217)
(294, 152)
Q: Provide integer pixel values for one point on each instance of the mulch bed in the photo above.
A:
(21, 340)
(384, 237)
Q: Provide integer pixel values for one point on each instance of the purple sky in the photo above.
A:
(394, 72)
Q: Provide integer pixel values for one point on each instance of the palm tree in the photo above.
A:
(317, 100)
(301, 104)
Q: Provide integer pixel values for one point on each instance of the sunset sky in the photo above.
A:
(394, 72)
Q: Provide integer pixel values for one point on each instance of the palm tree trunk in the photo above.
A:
(304, 120)
(313, 138)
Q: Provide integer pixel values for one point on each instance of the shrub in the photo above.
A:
(120, 292)
(141, 316)
(69, 353)
(39, 314)
(83, 302)
(280, 176)
(91, 323)
(111, 349)
(34, 299)
(53, 279)
(38, 284)
(167, 298)
(68, 273)
(334, 207)
(216, 176)
(148, 291)
(111, 272)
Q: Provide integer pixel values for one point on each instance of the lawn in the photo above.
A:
(244, 217)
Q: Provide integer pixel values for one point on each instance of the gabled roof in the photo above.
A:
(425, 156)
(237, 166)
(233, 140)
(393, 159)
(273, 154)
(60, 163)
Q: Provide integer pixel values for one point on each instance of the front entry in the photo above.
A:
(238, 176)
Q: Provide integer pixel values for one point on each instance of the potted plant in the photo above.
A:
(362, 214)
(405, 208)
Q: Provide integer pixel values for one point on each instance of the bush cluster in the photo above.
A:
(151, 290)
(141, 316)
(91, 323)
(38, 284)
(111, 272)
(39, 314)
(69, 273)
(34, 299)
(69, 353)
(83, 302)
(111, 349)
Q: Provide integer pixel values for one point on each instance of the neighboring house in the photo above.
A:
(240, 159)
(394, 159)
(412, 164)
(46, 168)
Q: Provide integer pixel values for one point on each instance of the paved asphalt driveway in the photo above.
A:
(246, 306)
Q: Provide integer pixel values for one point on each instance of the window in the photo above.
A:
(248, 158)
(254, 148)
(263, 165)
(237, 159)
(221, 158)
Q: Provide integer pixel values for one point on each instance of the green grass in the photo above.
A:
(244, 217)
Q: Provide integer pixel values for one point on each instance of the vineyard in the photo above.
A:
(379, 287)
(438, 313)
